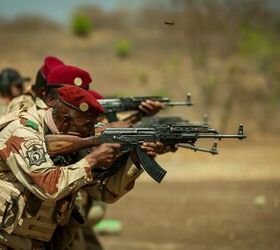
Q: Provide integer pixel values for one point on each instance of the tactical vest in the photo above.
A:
(41, 226)
(11, 206)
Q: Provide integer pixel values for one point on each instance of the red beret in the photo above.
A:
(69, 75)
(96, 95)
(50, 63)
(79, 99)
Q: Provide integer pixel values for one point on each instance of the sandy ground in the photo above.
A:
(229, 201)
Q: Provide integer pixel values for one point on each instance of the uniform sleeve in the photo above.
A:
(26, 155)
(113, 188)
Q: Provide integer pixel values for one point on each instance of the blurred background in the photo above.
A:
(227, 54)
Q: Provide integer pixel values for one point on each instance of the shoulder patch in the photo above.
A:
(35, 152)
(32, 124)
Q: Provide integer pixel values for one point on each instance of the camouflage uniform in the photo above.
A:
(20, 102)
(28, 167)
(3, 109)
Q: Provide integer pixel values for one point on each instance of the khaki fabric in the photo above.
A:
(41, 226)
(113, 188)
(14, 242)
(3, 109)
(20, 102)
(11, 206)
(24, 102)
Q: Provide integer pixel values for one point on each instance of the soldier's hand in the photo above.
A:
(153, 149)
(104, 155)
(151, 108)
(120, 124)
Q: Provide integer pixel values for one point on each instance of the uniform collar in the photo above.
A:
(48, 118)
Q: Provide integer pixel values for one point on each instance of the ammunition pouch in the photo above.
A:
(40, 226)
(11, 206)
(33, 203)
(64, 236)
(63, 209)
(43, 223)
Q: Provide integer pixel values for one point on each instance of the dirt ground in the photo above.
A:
(229, 201)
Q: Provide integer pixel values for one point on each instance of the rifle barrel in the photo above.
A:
(220, 136)
(174, 103)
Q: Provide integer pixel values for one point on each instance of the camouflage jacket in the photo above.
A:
(25, 159)
(21, 102)
(26, 163)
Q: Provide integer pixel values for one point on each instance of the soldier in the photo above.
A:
(37, 92)
(43, 194)
(96, 210)
(71, 75)
(11, 86)
(52, 75)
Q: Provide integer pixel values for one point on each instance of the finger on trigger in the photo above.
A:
(147, 106)
(115, 145)
(143, 109)
(151, 145)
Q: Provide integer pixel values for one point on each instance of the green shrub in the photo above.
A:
(81, 25)
(123, 48)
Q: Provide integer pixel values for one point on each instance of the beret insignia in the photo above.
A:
(84, 106)
(78, 81)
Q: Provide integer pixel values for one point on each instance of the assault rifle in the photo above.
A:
(132, 138)
(169, 120)
(166, 120)
(176, 120)
(116, 105)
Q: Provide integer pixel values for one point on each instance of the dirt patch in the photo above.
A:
(198, 215)
(230, 201)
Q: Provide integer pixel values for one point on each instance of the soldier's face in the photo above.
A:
(16, 90)
(81, 125)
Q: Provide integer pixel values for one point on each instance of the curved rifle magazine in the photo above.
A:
(150, 165)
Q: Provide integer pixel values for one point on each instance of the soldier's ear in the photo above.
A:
(42, 93)
(66, 122)
(66, 118)
(51, 102)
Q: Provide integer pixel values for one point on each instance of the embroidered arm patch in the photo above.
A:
(35, 153)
